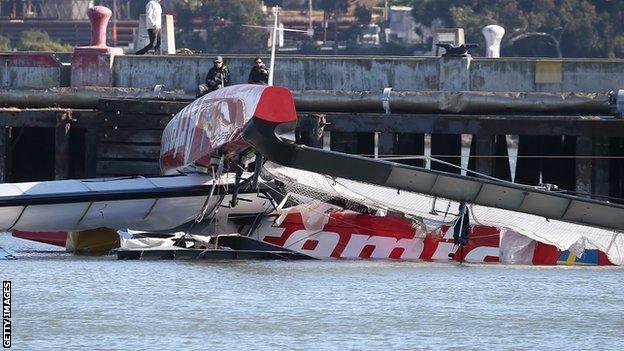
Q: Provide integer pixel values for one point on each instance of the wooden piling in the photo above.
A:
(5, 153)
(61, 145)
(481, 150)
(616, 169)
(528, 168)
(447, 147)
(410, 144)
(344, 142)
(601, 184)
(584, 165)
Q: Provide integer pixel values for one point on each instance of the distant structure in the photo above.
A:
(369, 35)
(401, 25)
(493, 36)
(58, 9)
(64, 20)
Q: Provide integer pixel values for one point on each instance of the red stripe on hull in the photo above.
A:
(52, 238)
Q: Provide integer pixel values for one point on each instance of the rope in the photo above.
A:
(216, 181)
(322, 214)
(414, 156)
(339, 220)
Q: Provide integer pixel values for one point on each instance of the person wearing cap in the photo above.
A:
(259, 73)
(153, 21)
(218, 77)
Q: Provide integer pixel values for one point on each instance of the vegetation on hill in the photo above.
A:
(36, 40)
(583, 28)
(5, 44)
(575, 28)
(221, 27)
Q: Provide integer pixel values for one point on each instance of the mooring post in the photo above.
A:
(61, 145)
(92, 65)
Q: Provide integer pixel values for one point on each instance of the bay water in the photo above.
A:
(66, 302)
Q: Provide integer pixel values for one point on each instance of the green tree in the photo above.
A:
(584, 28)
(363, 15)
(36, 40)
(5, 44)
(329, 6)
(223, 21)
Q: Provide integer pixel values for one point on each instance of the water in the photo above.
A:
(98, 303)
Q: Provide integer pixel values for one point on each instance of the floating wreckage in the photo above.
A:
(235, 185)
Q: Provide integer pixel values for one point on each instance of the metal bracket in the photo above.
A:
(385, 101)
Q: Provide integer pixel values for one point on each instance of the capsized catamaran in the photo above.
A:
(227, 159)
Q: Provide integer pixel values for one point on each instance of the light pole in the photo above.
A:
(274, 37)
(311, 24)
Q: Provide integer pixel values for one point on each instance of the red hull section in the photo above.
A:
(351, 236)
(211, 125)
(52, 238)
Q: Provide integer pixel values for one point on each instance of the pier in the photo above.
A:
(121, 136)
(101, 113)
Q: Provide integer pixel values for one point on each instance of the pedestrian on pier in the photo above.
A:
(218, 77)
(259, 73)
(153, 21)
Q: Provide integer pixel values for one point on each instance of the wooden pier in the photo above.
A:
(122, 137)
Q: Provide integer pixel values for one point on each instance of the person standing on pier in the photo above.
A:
(218, 77)
(259, 73)
(153, 21)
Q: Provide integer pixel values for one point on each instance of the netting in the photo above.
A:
(309, 191)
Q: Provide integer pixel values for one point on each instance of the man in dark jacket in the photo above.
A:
(259, 73)
(218, 77)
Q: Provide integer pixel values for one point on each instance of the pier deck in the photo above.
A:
(122, 137)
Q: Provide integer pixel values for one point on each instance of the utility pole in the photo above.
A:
(386, 9)
(335, 27)
(115, 8)
(274, 37)
(311, 24)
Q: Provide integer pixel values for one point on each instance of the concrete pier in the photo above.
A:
(579, 150)
(346, 73)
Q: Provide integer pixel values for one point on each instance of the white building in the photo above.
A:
(401, 25)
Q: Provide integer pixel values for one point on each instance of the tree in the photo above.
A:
(329, 6)
(5, 44)
(363, 15)
(224, 22)
(584, 28)
(36, 40)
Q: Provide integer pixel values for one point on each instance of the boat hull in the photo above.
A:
(363, 236)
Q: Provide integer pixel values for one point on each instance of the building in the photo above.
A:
(401, 26)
